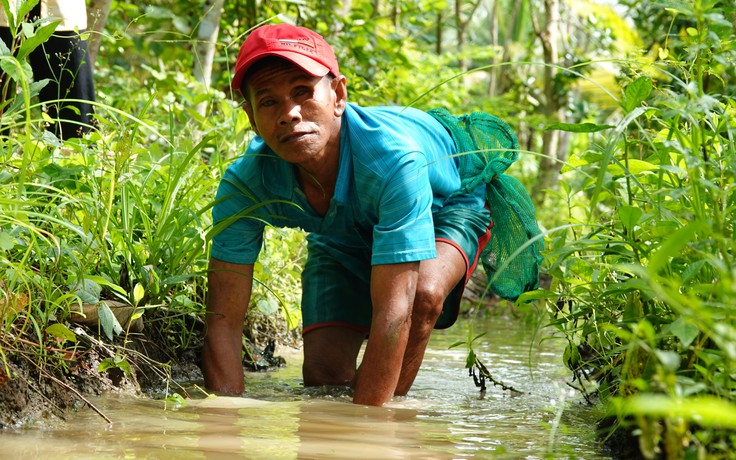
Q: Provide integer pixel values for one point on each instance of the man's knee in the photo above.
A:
(428, 302)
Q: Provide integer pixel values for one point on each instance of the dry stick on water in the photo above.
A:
(483, 374)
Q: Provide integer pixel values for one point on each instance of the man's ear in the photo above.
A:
(339, 84)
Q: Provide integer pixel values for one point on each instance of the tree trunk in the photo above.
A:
(376, 8)
(207, 33)
(554, 146)
(97, 13)
(493, 31)
(460, 28)
(499, 82)
(396, 14)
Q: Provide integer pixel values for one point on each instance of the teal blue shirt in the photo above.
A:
(397, 166)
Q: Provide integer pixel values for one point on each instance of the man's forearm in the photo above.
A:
(379, 372)
(392, 292)
(229, 287)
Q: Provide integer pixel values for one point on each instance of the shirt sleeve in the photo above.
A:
(237, 234)
(405, 229)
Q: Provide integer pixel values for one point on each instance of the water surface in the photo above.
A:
(443, 417)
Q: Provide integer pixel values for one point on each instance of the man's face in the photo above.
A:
(296, 114)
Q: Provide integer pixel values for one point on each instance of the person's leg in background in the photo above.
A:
(64, 60)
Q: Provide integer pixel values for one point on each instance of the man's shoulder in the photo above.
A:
(256, 157)
(385, 114)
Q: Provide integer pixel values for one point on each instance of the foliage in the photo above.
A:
(643, 263)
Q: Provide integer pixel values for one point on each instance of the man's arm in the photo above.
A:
(229, 290)
(392, 292)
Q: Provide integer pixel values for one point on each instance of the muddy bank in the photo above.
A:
(31, 392)
(45, 386)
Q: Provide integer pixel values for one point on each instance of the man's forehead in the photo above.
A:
(265, 71)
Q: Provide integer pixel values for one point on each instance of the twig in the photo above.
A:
(483, 374)
(75, 391)
(68, 387)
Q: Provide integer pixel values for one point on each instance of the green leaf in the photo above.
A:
(62, 332)
(630, 216)
(578, 127)
(7, 242)
(674, 245)
(267, 306)
(457, 344)
(684, 331)
(137, 314)
(138, 293)
(17, 70)
(635, 167)
(88, 291)
(40, 36)
(108, 321)
(635, 93)
(708, 411)
(104, 282)
(669, 359)
(105, 364)
(114, 363)
(470, 361)
(4, 50)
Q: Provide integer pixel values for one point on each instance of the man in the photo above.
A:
(391, 240)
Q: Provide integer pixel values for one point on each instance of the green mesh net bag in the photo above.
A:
(488, 147)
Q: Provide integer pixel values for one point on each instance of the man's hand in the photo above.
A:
(392, 292)
(229, 290)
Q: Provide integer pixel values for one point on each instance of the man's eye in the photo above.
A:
(267, 102)
(302, 92)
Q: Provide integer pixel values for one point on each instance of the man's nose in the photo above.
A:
(291, 112)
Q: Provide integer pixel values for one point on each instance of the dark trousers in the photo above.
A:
(64, 60)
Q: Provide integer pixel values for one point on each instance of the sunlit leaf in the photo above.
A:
(6, 241)
(669, 359)
(40, 35)
(62, 332)
(674, 244)
(636, 92)
(578, 127)
(707, 411)
(138, 293)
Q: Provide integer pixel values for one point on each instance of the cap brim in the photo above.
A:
(310, 66)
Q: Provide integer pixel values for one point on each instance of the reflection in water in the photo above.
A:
(443, 416)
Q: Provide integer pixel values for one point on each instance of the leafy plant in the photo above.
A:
(645, 272)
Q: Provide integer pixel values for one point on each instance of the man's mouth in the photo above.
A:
(292, 137)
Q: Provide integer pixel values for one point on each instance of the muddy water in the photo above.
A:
(443, 417)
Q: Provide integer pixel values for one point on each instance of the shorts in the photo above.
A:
(336, 281)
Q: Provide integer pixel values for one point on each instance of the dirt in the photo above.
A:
(32, 394)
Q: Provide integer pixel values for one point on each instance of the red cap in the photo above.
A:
(300, 45)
